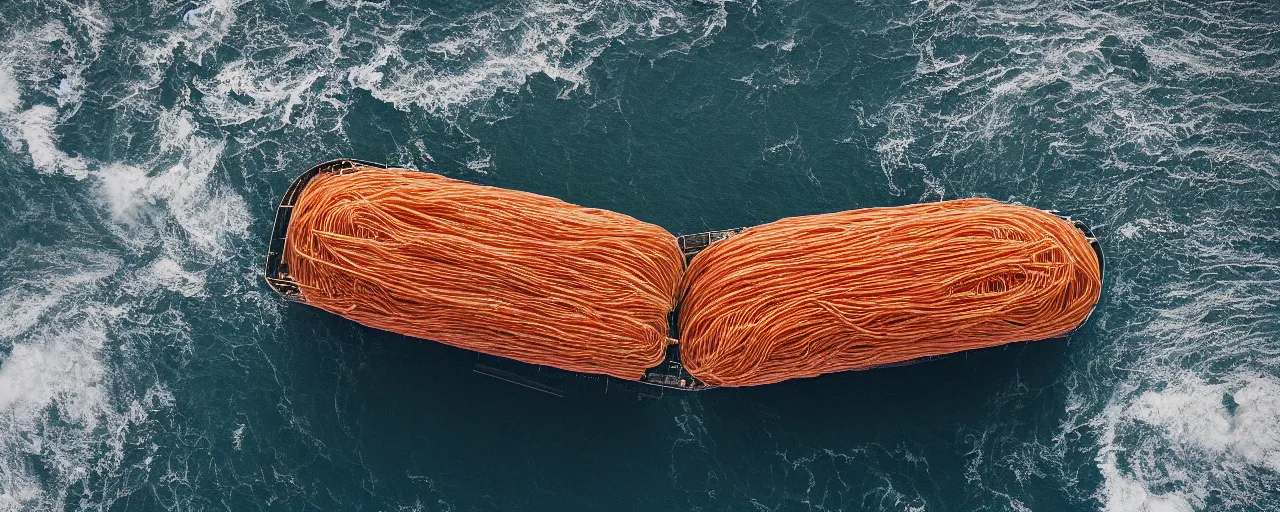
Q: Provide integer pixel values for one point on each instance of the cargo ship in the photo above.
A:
(669, 374)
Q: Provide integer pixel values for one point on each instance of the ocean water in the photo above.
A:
(144, 364)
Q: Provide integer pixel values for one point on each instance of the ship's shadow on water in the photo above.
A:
(585, 433)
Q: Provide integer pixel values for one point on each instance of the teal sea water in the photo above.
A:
(144, 364)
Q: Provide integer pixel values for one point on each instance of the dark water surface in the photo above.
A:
(144, 364)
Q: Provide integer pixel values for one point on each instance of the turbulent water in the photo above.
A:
(145, 365)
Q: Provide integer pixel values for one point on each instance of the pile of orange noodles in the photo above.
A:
(508, 273)
(542, 281)
(809, 295)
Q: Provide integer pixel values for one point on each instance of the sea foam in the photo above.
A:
(1168, 449)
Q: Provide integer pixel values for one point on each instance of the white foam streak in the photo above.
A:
(270, 96)
(1096, 64)
(10, 94)
(26, 302)
(34, 130)
(497, 55)
(184, 187)
(206, 26)
(35, 56)
(542, 46)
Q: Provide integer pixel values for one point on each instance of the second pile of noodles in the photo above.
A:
(507, 273)
(809, 295)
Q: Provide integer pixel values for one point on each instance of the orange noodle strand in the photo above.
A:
(507, 273)
(810, 295)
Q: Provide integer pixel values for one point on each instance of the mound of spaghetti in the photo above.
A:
(507, 273)
(810, 295)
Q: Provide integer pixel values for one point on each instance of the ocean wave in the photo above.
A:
(78, 387)
(29, 63)
(65, 421)
(1114, 81)
(1169, 386)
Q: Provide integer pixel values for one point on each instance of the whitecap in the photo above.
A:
(1208, 434)
(184, 186)
(34, 130)
(55, 402)
(1237, 420)
(166, 272)
(10, 92)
